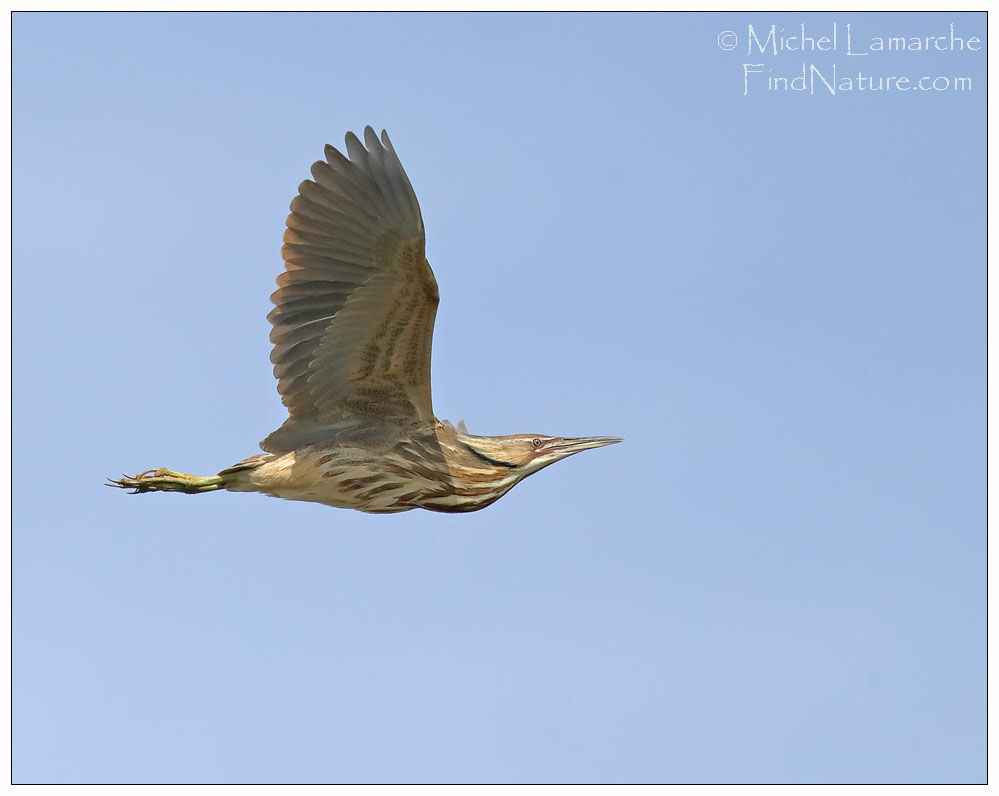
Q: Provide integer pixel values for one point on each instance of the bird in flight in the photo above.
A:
(353, 323)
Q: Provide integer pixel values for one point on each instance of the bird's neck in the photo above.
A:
(477, 458)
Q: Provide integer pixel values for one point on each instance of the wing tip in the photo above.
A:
(331, 153)
(351, 140)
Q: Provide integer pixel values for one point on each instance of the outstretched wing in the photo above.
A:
(355, 308)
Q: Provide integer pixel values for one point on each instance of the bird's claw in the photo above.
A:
(165, 480)
(146, 481)
(133, 482)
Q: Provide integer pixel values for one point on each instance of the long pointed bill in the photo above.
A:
(566, 446)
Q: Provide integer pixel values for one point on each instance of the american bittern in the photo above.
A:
(353, 321)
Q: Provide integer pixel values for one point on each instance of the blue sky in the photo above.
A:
(777, 298)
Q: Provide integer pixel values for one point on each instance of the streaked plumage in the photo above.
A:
(353, 324)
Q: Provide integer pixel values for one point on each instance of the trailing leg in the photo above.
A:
(164, 480)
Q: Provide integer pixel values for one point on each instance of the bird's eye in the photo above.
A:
(536, 442)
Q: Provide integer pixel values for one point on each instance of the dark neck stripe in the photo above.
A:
(492, 461)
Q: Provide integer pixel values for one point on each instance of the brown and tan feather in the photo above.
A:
(353, 325)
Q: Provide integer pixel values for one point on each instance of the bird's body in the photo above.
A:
(442, 469)
(353, 325)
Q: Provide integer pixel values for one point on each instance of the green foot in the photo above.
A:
(164, 480)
